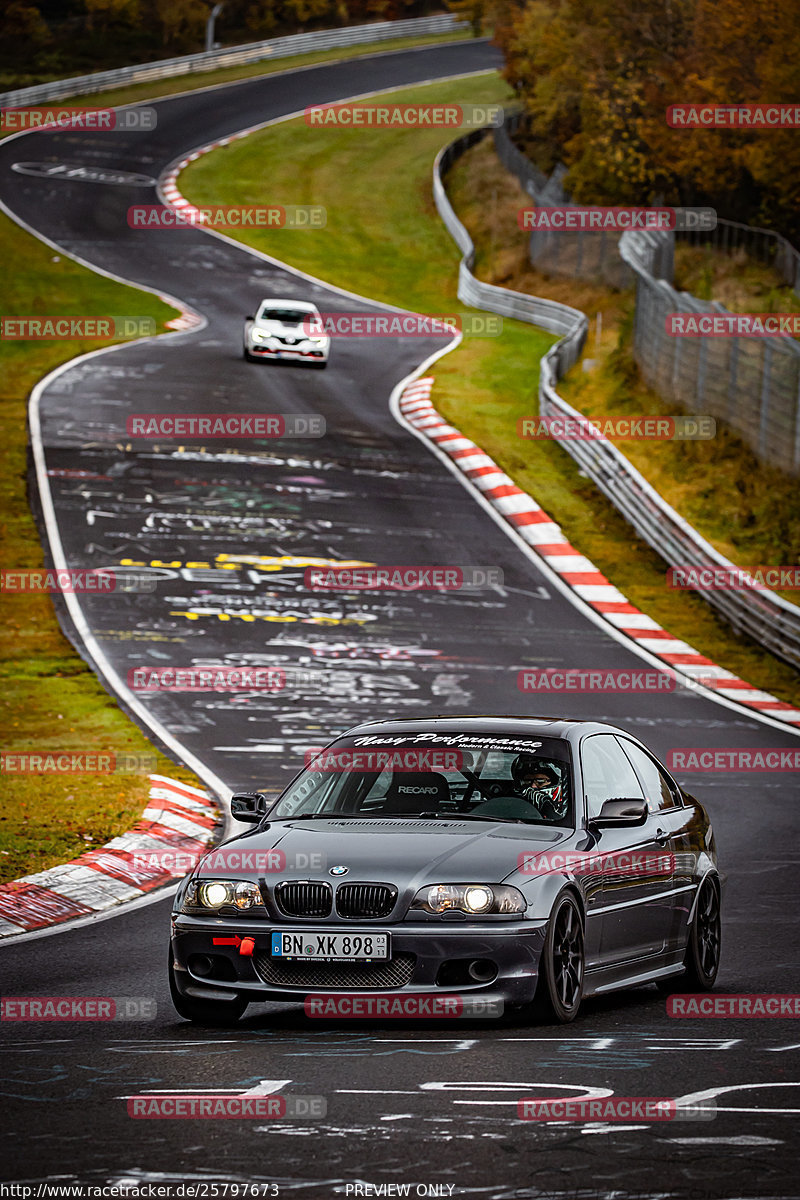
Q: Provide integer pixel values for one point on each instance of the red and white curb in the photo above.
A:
(187, 319)
(168, 185)
(173, 198)
(174, 832)
(545, 537)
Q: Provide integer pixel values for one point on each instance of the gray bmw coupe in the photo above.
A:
(531, 862)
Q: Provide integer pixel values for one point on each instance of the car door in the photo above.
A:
(636, 905)
(672, 831)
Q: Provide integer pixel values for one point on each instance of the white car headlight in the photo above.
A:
(473, 898)
(214, 894)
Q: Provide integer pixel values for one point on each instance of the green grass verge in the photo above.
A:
(385, 240)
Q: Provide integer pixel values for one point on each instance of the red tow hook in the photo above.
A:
(246, 945)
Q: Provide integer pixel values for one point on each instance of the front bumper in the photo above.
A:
(514, 947)
(306, 352)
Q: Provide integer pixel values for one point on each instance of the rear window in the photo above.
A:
(288, 316)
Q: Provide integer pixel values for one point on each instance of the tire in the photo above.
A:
(321, 365)
(204, 1012)
(561, 968)
(705, 940)
(246, 355)
(701, 961)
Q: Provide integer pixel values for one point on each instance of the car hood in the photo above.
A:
(404, 852)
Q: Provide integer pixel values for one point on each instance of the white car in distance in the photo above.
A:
(286, 329)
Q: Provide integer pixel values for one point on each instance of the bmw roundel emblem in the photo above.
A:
(338, 870)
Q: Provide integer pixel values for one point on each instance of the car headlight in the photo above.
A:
(473, 898)
(318, 341)
(215, 894)
(260, 337)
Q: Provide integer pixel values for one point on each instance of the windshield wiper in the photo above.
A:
(334, 816)
(451, 816)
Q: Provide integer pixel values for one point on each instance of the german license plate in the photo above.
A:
(335, 947)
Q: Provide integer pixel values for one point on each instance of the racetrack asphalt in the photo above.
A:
(406, 1102)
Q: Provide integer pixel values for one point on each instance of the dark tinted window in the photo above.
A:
(607, 773)
(659, 790)
(288, 316)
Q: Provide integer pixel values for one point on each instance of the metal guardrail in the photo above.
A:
(770, 620)
(548, 314)
(233, 56)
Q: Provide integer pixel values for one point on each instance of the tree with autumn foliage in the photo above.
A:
(596, 77)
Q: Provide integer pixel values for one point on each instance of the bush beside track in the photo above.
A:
(156, 89)
(376, 187)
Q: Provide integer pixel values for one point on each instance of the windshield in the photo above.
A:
(287, 316)
(435, 775)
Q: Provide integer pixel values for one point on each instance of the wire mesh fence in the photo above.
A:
(752, 383)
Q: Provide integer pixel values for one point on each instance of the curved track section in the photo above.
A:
(227, 530)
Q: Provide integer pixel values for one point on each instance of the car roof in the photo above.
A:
(287, 302)
(553, 727)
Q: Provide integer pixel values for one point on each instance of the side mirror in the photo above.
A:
(249, 806)
(622, 812)
(250, 318)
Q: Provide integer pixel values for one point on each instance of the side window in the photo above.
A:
(607, 774)
(658, 789)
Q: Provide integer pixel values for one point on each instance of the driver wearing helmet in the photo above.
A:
(540, 783)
